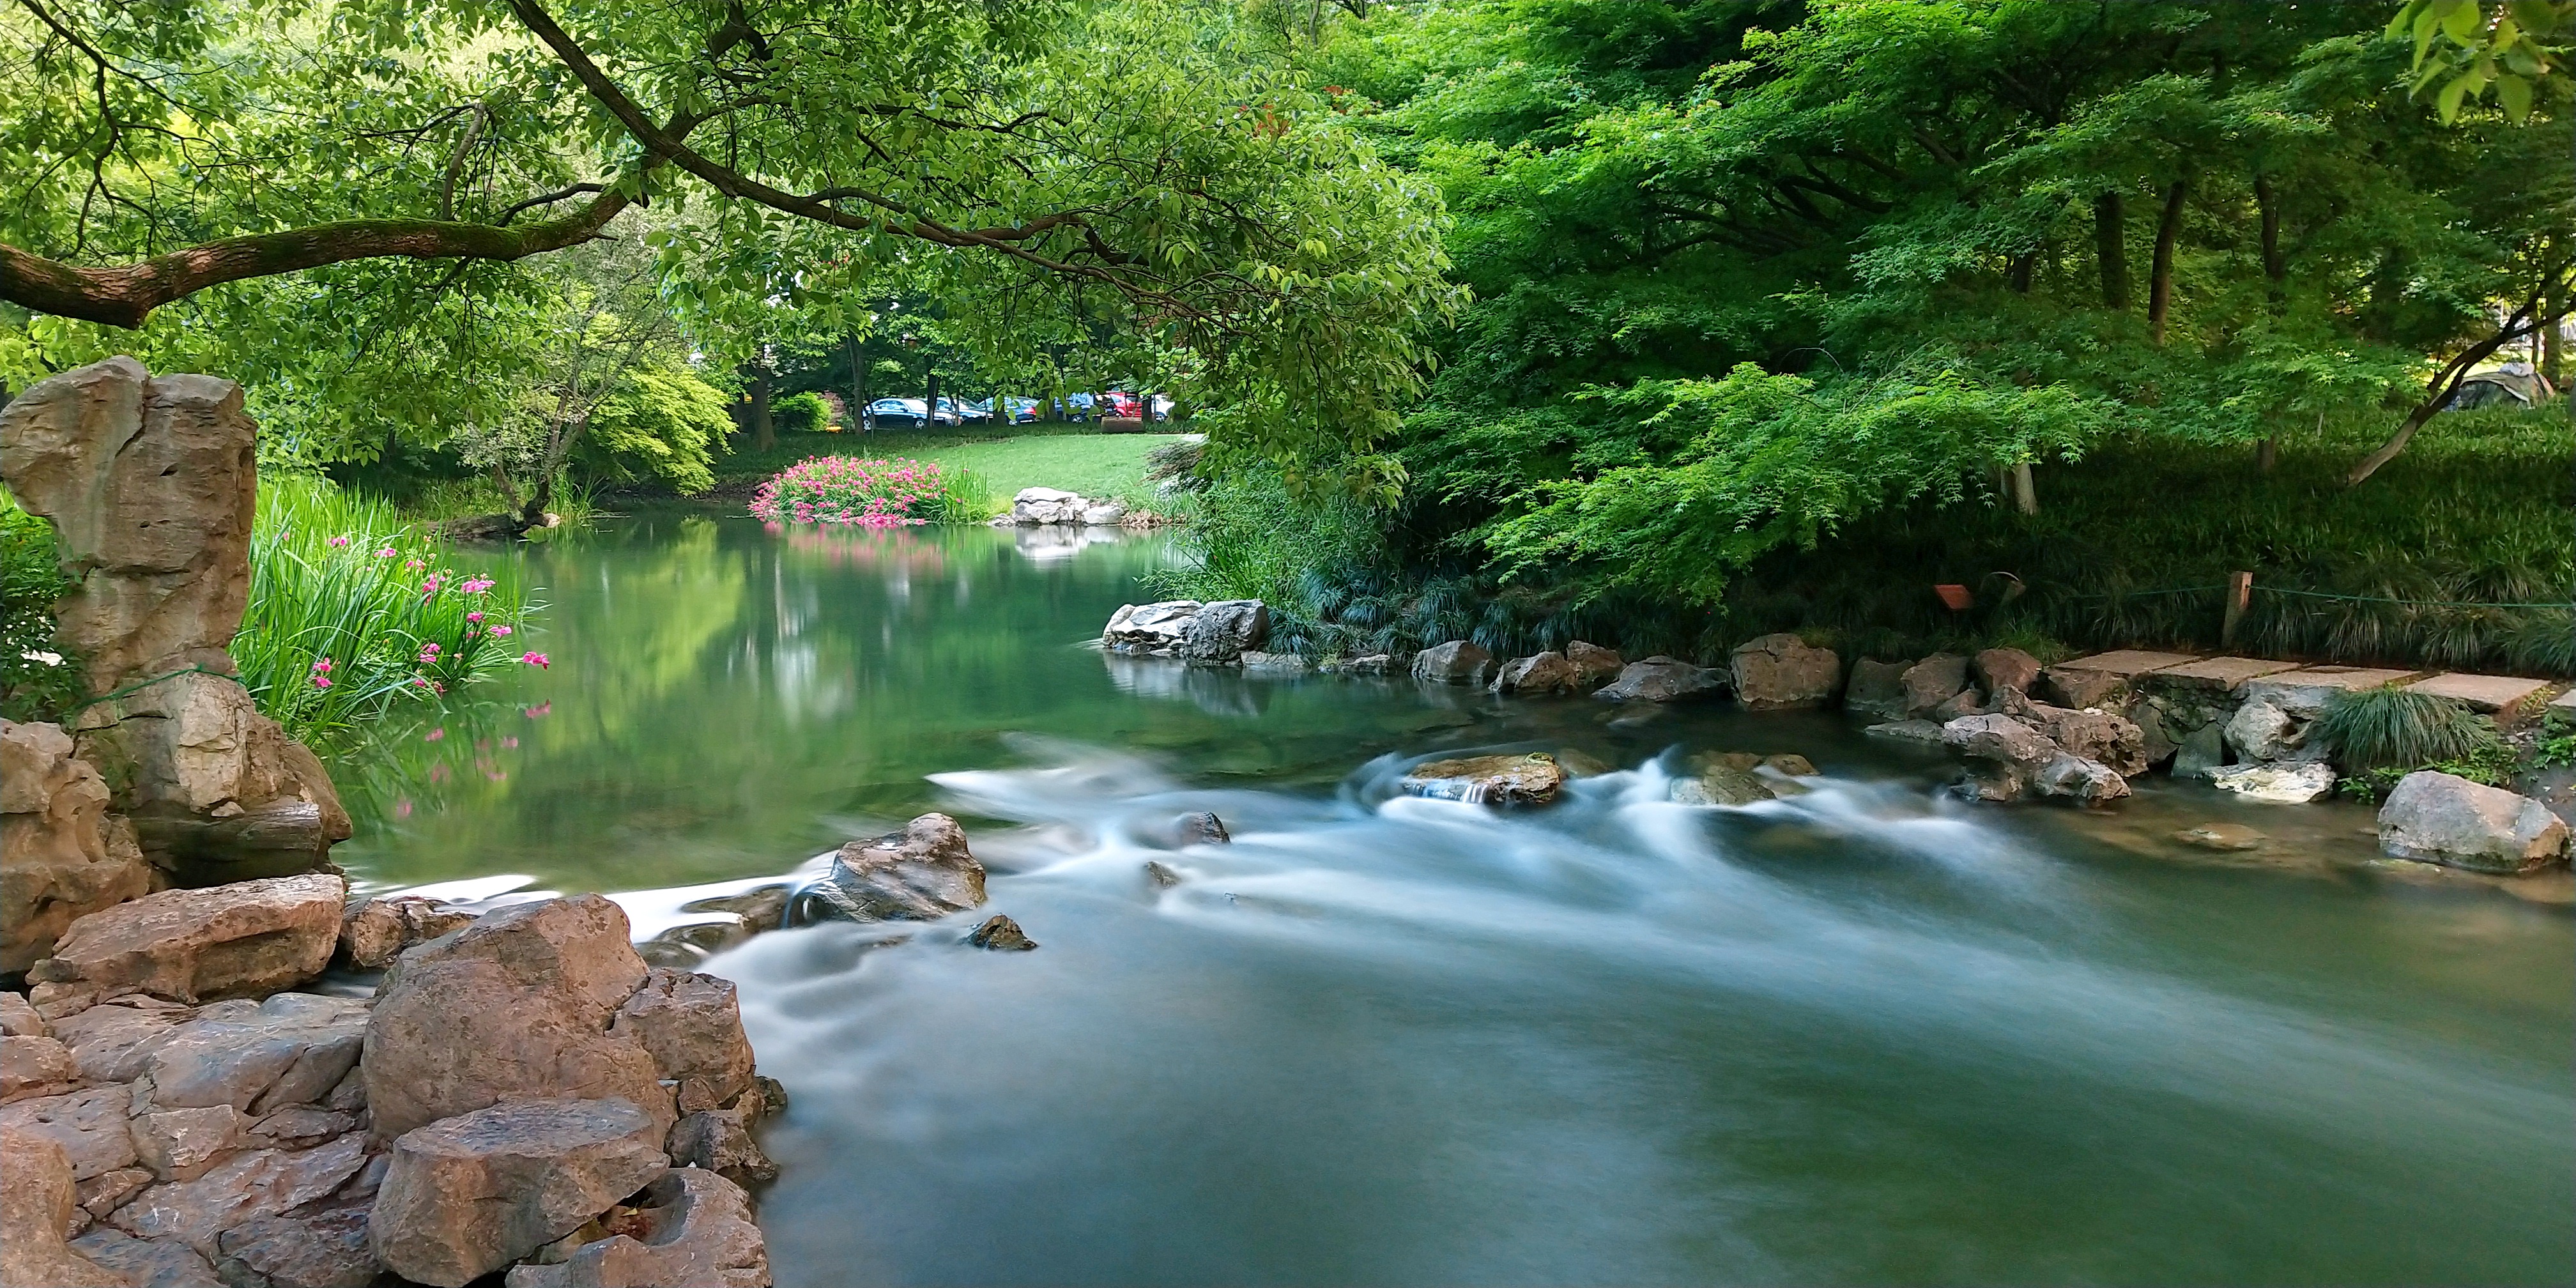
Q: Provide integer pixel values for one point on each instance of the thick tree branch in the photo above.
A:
(125, 295)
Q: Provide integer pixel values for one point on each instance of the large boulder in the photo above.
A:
(468, 1195)
(243, 940)
(2442, 818)
(1042, 506)
(1532, 779)
(1593, 665)
(2262, 731)
(1930, 683)
(1998, 669)
(2115, 741)
(921, 873)
(2004, 755)
(1221, 631)
(217, 791)
(1548, 672)
(1456, 662)
(150, 483)
(1662, 679)
(691, 1024)
(61, 855)
(328, 1248)
(1780, 671)
(694, 1229)
(518, 1005)
(1877, 689)
(1147, 628)
(35, 1211)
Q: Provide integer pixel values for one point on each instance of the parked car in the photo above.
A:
(901, 413)
(1024, 411)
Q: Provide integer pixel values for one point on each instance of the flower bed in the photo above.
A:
(847, 491)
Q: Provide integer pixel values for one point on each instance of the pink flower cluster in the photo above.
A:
(850, 492)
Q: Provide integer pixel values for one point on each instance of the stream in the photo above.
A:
(1862, 1035)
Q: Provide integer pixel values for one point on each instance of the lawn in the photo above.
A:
(1095, 465)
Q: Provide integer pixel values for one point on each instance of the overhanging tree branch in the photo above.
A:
(125, 295)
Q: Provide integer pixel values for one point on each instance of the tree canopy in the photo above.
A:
(335, 191)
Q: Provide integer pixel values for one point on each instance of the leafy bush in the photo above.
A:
(849, 491)
(803, 413)
(2391, 728)
(352, 611)
(37, 682)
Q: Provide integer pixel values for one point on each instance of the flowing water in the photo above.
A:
(1863, 1035)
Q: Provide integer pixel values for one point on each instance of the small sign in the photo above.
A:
(1956, 597)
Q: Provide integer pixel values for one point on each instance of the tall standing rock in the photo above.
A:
(149, 483)
(61, 856)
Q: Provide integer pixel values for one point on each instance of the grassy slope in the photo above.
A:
(1097, 465)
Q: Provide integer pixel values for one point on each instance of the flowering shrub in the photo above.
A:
(352, 611)
(850, 492)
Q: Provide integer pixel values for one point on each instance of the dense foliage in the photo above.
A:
(1877, 279)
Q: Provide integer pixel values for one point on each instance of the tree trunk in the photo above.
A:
(2110, 245)
(2268, 453)
(2160, 270)
(2439, 391)
(764, 435)
(858, 385)
(2273, 265)
(930, 402)
(2025, 497)
(2019, 271)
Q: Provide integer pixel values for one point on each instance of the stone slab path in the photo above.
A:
(2310, 685)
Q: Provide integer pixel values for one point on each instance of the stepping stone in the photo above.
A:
(2488, 693)
(2306, 691)
(2126, 662)
(2220, 674)
(2565, 703)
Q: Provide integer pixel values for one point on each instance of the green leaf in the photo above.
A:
(2446, 104)
(2515, 93)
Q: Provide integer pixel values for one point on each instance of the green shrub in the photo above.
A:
(804, 413)
(2391, 728)
(37, 681)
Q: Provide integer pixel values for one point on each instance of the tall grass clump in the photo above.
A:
(352, 611)
(37, 681)
(2392, 728)
(848, 491)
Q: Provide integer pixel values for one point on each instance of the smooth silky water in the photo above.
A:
(1865, 1035)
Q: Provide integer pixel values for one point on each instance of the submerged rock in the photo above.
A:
(1531, 779)
(2221, 836)
(1722, 784)
(1161, 874)
(2441, 818)
(1001, 934)
(2286, 784)
(1925, 732)
(761, 909)
(921, 873)
(1877, 689)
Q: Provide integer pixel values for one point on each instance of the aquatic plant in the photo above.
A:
(2391, 728)
(352, 611)
(884, 493)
